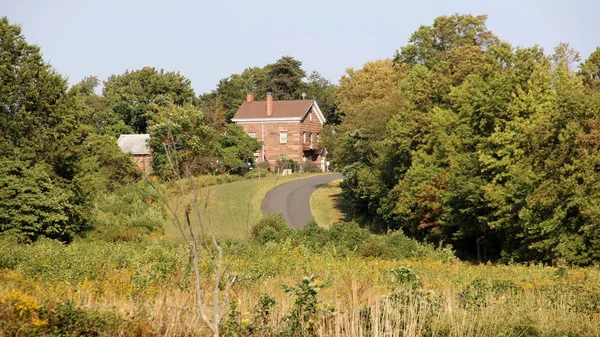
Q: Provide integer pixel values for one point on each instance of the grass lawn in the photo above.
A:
(327, 206)
(228, 209)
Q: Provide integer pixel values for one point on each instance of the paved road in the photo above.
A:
(293, 199)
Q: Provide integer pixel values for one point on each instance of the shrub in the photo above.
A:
(130, 213)
(312, 236)
(348, 235)
(264, 165)
(269, 228)
(310, 167)
(303, 317)
(257, 173)
(210, 180)
(34, 204)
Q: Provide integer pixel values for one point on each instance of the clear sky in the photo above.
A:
(209, 40)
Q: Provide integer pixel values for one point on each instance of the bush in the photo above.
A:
(264, 165)
(130, 213)
(348, 235)
(257, 173)
(35, 205)
(312, 236)
(270, 227)
(310, 167)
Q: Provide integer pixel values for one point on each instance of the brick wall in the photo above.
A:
(144, 163)
(309, 127)
(294, 146)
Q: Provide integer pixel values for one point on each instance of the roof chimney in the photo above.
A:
(249, 97)
(269, 103)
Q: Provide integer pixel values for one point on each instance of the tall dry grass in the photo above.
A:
(148, 286)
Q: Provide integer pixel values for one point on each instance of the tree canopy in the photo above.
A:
(53, 162)
(285, 79)
(483, 146)
(130, 94)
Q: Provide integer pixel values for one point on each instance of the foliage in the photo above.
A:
(283, 163)
(303, 316)
(309, 167)
(34, 205)
(95, 111)
(130, 95)
(181, 139)
(103, 166)
(269, 228)
(236, 150)
(483, 146)
(144, 288)
(590, 71)
(57, 152)
(130, 213)
(257, 172)
(285, 79)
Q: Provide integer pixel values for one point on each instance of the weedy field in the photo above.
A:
(335, 281)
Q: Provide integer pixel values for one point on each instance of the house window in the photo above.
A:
(283, 137)
(303, 137)
(311, 139)
(252, 134)
(310, 116)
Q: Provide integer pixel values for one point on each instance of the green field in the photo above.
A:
(227, 210)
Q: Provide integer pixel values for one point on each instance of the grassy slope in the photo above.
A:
(327, 206)
(228, 209)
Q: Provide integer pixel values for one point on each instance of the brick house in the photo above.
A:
(290, 127)
(138, 146)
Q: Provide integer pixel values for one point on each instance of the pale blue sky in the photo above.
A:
(209, 40)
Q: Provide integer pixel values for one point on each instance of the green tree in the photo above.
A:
(33, 205)
(34, 109)
(486, 147)
(284, 79)
(47, 150)
(429, 45)
(129, 95)
(590, 70)
(180, 138)
(324, 92)
(95, 111)
(231, 91)
(236, 149)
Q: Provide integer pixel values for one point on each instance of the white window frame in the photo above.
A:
(252, 135)
(303, 137)
(283, 137)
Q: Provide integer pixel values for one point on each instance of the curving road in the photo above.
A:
(293, 199)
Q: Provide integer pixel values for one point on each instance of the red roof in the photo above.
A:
(281, 109)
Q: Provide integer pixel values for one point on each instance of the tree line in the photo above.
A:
(459, 138)
(478, 144)
(58, 150)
